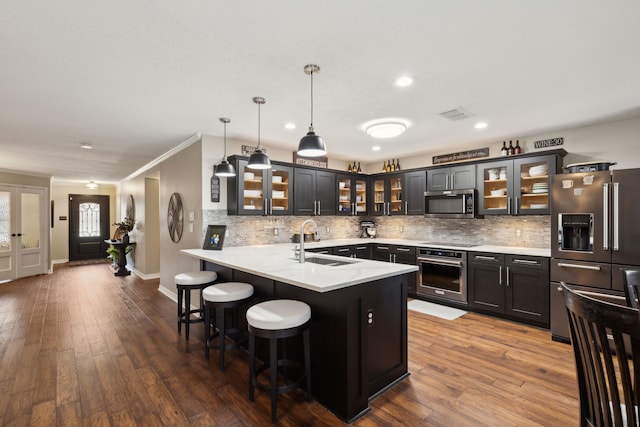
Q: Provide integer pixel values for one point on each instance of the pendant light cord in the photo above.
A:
(259, 145)
(311, 124)
(225, 141)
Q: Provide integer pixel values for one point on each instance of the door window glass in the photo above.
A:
(30, 220)
(89, 224)
(5, 217)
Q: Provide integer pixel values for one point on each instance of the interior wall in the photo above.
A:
(60, 232)
(152, 225)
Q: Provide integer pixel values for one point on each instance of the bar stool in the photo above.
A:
(218, 298)
(185, 283)
(273, 320)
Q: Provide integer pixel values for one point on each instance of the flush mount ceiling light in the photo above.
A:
(386, 128)
(259, 159)
(404, 81)
(289, 125)
(480, 125)
(311, 145)
(86, 145)
(224, 168)
(91, 185)
(375, 148)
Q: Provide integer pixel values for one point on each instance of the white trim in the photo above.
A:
(146, 276)
(192, 139)
(60, 261)
(169, 294)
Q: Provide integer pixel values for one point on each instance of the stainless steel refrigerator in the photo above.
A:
(595, 234)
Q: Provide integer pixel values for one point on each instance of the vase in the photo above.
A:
(125, 238)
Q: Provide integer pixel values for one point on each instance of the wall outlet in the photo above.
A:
(275, 231)
(519, 232)
(401, 228)
(327, 229)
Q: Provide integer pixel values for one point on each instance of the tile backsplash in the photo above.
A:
(530, 231)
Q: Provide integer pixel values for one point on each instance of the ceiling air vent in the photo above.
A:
(456, 114)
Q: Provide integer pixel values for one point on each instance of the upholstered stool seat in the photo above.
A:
(185, 283)
(218, 298)
(274, 320)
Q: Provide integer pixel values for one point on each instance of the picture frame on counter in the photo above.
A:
(214, 239)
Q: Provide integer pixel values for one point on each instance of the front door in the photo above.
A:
(23, 222)
(88, 226)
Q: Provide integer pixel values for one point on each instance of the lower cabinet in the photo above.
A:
(512, 286)
(399, 254)
(352, 251)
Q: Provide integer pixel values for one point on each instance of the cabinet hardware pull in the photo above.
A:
(403, 250)
(500, 276)
(605, 217)
(361, 248)
(507, 276)
(616, 216)
(383, 248)
(343, 250)
(584, 267)
(508, 205)
(487, 258)
(318, 207)
(525, 261)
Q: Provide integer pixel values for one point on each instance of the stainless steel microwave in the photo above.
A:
(450, 204)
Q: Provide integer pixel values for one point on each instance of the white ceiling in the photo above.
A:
(136, 78)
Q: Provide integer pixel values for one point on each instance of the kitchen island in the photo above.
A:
(358, 316)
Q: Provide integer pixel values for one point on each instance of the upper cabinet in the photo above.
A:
(387, 194)
(352, 194)
(517, 186)
(451, 178)
(415, 183)
(260, 191)
(314, 192)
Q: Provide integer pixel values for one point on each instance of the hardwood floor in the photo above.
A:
(83, 347)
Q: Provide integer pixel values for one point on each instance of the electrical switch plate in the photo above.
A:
(370, 317)
(192, 216)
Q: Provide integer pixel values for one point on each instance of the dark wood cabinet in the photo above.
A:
(451, 178)
(353, 251)
(260, 191)
(387, 192)
(314, 192)
(352, 194)
(399, 254)
(517, 186)
(515, 286)
(415, 183)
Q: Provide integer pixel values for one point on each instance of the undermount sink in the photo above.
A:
(328, 262)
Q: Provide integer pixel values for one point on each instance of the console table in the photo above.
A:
(122, 256)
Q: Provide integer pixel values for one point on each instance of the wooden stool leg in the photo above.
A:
(222, 333)
(252, 364)
(187, 314)
(273, 366)
(307, 363)
(179, 309)
(207, 329)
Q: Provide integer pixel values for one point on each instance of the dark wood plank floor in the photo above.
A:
(83, 347)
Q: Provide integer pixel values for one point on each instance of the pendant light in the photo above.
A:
(225, 168)
(311, 145)
(259, 159)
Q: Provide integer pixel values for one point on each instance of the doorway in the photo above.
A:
(23, 226)
(88, 226)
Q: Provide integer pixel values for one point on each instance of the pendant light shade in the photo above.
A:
(311, 145)
(259, 159)
(224, 168)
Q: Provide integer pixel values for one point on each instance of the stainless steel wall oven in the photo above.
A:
(442, 274)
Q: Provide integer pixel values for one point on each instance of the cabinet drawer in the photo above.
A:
(486, 258)
(528, 261)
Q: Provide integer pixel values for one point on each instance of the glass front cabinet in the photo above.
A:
(260, 191)
(516, 187)
(352, 195)
(387, 194)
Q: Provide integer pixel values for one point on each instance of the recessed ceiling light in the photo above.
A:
(86, 145)
(289, 125)
(404, 81)
(480, 125)
(375, 148)
(385, 130)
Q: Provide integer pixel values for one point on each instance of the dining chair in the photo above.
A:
(608, 371)
(631, 280)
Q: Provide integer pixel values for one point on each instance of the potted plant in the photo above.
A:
(113, 254)
(124, 227)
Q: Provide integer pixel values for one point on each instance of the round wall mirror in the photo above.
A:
(175, 217)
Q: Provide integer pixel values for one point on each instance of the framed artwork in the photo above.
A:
(214, 238)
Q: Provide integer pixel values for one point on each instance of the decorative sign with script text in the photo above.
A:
(545, 143)
(463, 155)
(317, 162)
(248, 150)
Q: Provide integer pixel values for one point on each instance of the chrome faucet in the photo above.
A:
(315, 230)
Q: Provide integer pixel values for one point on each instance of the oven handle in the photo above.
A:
(440, 261)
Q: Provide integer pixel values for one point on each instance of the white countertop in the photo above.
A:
(277, 262)
(514, 250)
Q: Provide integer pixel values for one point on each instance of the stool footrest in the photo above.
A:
(289, 385)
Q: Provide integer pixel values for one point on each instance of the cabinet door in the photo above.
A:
(495, 188)
(438, 179)
(361, 251)
(360, 195)
(379, 196)
(304, 191)
(342, 251)
(415, 183)
(528, 289)
(396, 204)
(345, 195)
(486, 282)
(532, 177)
(463, 177)
(326, 192)
(382, 252)
(280, 185)
(252, 189)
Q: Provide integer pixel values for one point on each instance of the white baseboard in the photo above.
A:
(144, 276)
(60, 261)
